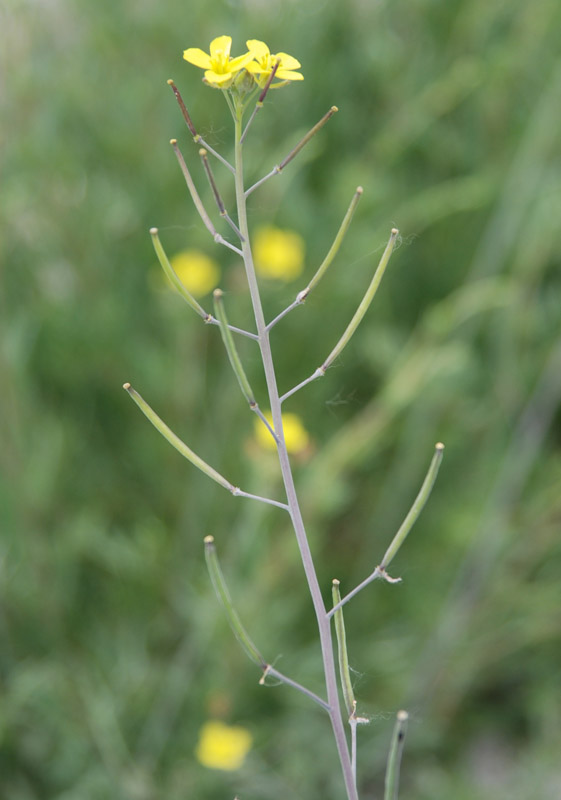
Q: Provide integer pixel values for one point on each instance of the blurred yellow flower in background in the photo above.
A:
(223, 746)
(278, 254)
(197, 272)
(296, 436)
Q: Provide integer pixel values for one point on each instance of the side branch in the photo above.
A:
(236, 363)
(198, 202)
(216, 193)
(197, 138)
(416, 508)
(261, 99)
(175, 281)
(294, 152)
(322, 269)
(355, 321)
(187, 453)
(401, 535)
(221, 589)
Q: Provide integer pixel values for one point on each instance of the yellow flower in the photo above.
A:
(196, 271)
(264, 61)
(296, 437)
(220, 69)
(223, 746)
(278, 254)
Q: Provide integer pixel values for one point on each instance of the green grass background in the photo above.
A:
(113, 650)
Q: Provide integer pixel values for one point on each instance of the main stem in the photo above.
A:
(324, 624)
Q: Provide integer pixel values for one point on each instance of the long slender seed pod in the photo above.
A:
(230, 346)
(176, 442)
(364, 304)
(182, 106)
(416, 508)
(334, 249)
(305, 139)
(353, 324)
(216, 192)
(394, 756)
(192, 189)
(344, 671)
(173, 277)
(293, 153)
(223, 595)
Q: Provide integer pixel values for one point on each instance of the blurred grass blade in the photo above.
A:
(334, 249)
(172, 276)
(365, 303)
(394, 756)
(176, 442)
(416, 508)
(346, 683)
(221, 590)
(228, 340)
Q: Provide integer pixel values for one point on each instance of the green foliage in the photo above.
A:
(113, 651)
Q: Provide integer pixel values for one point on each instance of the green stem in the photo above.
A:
(324, 626)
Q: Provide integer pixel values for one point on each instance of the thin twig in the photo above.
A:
(197, 138)
(176, 282)
(183, 107)
(355, 321)
(294, 152)
(239, 493)
(236, 362)
(372, 577)
(190, 455)
(261, 98)
(320, 272)
(216, 193)
(198, 202)
(210, 320)
(238, 628)
(412, 516)
(319, 373)
(274, 673)
(287, 310)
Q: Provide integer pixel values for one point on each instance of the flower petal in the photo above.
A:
(256, 69)
(221, 44)
(237, 64)
(288, 62)
(198, 57)
(288, 75)
(259, 49)
(217, 78)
